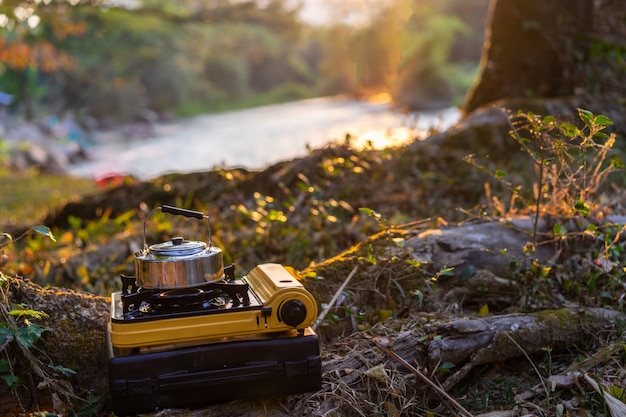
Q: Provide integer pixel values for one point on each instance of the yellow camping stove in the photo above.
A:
(185, 323)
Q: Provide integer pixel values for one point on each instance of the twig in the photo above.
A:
(543, 383)
(324, 312)
(422, 377)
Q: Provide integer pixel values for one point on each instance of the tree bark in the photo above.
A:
(532, 49)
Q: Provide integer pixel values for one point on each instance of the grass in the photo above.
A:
(26, 197)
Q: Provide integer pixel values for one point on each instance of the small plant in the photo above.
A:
(571, 164)
(22, 361)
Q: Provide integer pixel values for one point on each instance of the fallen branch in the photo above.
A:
(468, 343)
(332, 302)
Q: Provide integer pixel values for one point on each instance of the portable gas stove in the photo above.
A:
(186, 332)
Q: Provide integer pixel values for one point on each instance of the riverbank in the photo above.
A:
(250, 138)
(258, 137)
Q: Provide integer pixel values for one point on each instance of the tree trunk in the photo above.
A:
(532, 49)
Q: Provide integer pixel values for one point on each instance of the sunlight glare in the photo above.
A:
(33, 21)
(4, 20)
(22, 13)
(380, 98)
(383, 138)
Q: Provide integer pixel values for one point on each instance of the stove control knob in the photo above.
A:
(292, 312)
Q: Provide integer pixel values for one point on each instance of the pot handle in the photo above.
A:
(182, 212)
(177, 211)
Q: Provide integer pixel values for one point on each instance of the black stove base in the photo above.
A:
(202, 375)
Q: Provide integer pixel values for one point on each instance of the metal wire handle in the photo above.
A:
(179, 212)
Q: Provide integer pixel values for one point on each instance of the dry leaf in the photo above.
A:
(616, 407)
(563, 381)
(377, 372)
(484, 311)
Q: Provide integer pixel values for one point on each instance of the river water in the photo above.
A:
(258, 137)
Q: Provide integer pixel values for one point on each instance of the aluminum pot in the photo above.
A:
(179, 262)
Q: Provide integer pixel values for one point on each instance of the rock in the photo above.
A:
(485, 245)
(26, 155)
(77, 323)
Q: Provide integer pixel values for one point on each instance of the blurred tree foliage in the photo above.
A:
(110, 64)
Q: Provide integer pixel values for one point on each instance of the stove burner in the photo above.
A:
(181, 296)
(150, 302)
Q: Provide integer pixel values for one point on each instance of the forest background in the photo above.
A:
(109, 64)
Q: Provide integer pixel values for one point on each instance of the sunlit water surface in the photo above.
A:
(258, 137)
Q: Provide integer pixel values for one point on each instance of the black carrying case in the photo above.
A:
(201, 375)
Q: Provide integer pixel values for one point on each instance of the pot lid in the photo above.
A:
(178, 246)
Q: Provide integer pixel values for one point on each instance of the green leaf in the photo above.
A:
(62, 369)
(5, 365)
(500, 174)
(366, 210)
(586, 116)
(445, 367)
(617, 163)
(414, 263)
(602, 120)
(548, 119)
(333, 317)
(370, 212)
(446, 272)
(570, 130)
(558, 230)
(45, 231)
(346, 309)
(7, 334)
(11, 380)
(582, 208)
(20, 310)
(27, 336)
